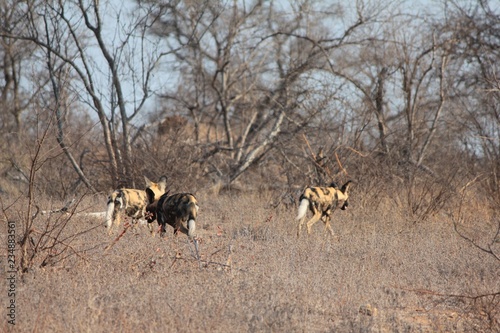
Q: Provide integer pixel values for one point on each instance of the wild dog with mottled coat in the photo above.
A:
(322, 202)
(174, 210)
(131, 201)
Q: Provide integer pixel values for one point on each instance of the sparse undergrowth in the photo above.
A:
(382, 273)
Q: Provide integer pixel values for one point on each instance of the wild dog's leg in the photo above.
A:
(118, 219)
(134, 223)
(151, 229)
(301, 223)
(326, 220)
(179, 226)
(115, 220)
(163, 230)
(161, 223)
(314, 219)
(137, 214)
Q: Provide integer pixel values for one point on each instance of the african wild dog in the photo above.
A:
(132, 201)
(322, 202)
(174, 210)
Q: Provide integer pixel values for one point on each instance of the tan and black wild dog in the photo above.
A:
(322, 202)
(131, 201)
(174, 210)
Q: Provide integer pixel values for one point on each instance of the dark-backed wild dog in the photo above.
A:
(322, 202)
(174, 210)
(131, 201)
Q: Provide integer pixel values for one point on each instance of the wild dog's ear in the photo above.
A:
(151, 195)
(334, 185)
(148, 182)
(346, 186)
(162, 183)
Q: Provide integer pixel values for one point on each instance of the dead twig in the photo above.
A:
(340, 164)
(423, 291)
(125, 228)
(488, 248)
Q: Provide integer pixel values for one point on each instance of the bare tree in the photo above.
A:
(249, 70)
(109, 59)
(14, 96)
(58, 74)
(476, 89)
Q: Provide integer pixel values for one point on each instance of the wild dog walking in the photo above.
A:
(174, 210)
(133, 202)
(322, 202)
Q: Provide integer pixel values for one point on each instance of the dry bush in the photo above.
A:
(381, 273)
(47, 237)
(168, 155)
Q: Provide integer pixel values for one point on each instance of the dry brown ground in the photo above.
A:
(382, 273)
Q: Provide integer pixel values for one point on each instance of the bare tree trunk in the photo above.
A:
(433, 128)
(379, 109)
(260, 149)
(97, 31)
(55, 80)
(60, 132)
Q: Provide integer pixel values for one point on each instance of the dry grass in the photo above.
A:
(382, 273)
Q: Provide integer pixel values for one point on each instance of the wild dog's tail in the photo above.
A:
(110, 210)
(304, 205)
(193, 212)
(113, 197)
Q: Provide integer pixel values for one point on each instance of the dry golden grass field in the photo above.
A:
(383, 272)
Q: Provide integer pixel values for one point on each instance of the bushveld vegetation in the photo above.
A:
(244, 104)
